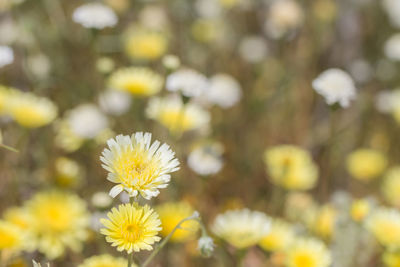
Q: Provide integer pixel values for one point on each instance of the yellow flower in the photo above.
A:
(280, 236)
(104, 260)
(66, 138)
(138, 81)
(206, 30)
(68, 172)
(391, 186)
(58, 221)
(391, 259)
(359, 209)
(308, 252)
(31, 111)
(11, 237)
(242, 228)
(324, 223)
(384, 224)
(291, 167)
(145, 44)
(137, 166)
(131, 227)
(366, 164)
(175, 116)
(17, 216)
(171, 214)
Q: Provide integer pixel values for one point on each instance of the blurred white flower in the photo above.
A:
(206, 159)
(6, 55)
(115, 102)
(153, 17)
(387, 101)
(223, 91)
(101, 200)
(171, 62)
(336, 86)
(206, 246)
(95, 15)
(208, 8)
(392, 47)
(190, 82)
(87, 121)
(392, 8)
(39, 65)
(253, 49)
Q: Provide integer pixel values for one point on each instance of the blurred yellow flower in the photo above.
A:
(391, 186)
(104, 260)
(291, 167)
(11, 237)
(176, 116)
(384, 224)
(65, 138)
(171, 214)
(68, 172)
(324, 223)
(145, 44)
(280, 236)
(138, 81)
(366, 164)
(138, 166)
(58, 221)
(391, 259)
(359, 209)
(18, 216)
(242, 228)
(205, 30)
(308, 252)
(131, 227)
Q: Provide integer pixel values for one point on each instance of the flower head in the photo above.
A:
(104, 260)
(223, 91)
(336, 86)
(206, 246)
(131, 227)
(171, 214)
(242, 228)
(95, 15)
(137, 165)
(190, 82)
(12, 237)
(384, 224)
(138, 81)
(366, 164)
(359, 209)
(206, 159)
(145, 44)
(308, 253)
(280, 236)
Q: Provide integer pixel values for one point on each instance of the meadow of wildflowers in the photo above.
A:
(151, 133)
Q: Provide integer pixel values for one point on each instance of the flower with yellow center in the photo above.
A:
(291, 167)
(324, 223)
(391, 259)
(366, 164)
(242, 228)
(105, 260)
(391, 186)
(138, 81)
(384, 224)
(11, 237)
(31, 111)
(360, 209)
(58, 221)
(171, 214)
(280, 236)
(131, 227)
(308, 252)
(145, 44)
(138, 166)
(176, 116)
(68, 172)
(17, 216)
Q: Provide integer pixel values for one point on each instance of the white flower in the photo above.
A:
(95, 15)
(115, 102)
(138, 166)
(253, 49)
(224, 91)
(206, 159)
(388, 101)
(190, 82)
(392, 8)
(6, 55)
(242, 228)
(336, 86)
(87, 121)
(206, 245)
(392, 47)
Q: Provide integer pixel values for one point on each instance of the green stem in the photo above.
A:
(130, 259)
(9, 148)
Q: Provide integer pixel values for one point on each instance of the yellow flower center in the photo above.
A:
(136, 87)
(55, 217)
(176, 120)
(132, 232)
(304, 260)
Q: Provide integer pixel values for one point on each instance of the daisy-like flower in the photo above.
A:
(336, 86)
(280, 236)
(95, 15)
(12, 237)
(384, 224)
(206, 159)
(114, 102)
(131, 227)
(144, 44)
(137, 165)
(359, 209)
(138, 81)
(171, 214)
(366, 164)
(175, 116)
(104, 260)
(190, 82)
(291, 167)
(224, 91)
(324, 222)
(6, 55)
(308, 252)
(391, 186)
(30, 110)
(58, 221)
(242, 228)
